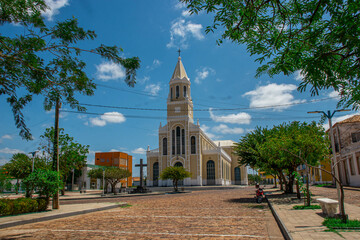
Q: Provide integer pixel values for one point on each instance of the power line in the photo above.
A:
(207, 109)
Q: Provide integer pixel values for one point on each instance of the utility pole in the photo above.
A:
(55, 202)
(334, 161)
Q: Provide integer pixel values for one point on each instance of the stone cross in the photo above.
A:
(141, 165)
(179, 51)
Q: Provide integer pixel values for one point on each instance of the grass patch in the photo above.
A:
(323, 185)
(126, 206)
(257, 206)
(337, 224)
(302, 207)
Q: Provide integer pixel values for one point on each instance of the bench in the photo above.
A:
(328, 206)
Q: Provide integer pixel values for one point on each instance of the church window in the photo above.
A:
(171, 93)
(193, 145)
(164, 146)
(184, 91)
(183, 141)
(177, 92)
(177, 140)
(173, 142)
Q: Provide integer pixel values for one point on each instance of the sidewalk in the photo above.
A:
(64, 211)
(306, 224)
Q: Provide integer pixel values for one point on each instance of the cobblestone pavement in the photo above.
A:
(352, 195)
(211, 214)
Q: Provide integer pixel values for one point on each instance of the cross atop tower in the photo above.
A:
(179, 51)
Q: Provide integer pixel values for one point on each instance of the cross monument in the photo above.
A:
(141, 165)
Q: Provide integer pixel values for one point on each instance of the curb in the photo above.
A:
(281, 225)
(113, 196)
(57, 216)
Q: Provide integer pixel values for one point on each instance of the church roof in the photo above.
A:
(224, 143)
(179, 72)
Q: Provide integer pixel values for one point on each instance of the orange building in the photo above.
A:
(116, 159)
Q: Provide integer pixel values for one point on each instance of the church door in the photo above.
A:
(237, 176)
(210, 172)
(156, 174)
(179, 164)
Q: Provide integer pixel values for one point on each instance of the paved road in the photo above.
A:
(211, 214)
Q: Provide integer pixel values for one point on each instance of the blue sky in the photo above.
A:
(222, 77)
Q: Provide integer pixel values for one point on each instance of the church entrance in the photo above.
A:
(210, 173)
(156, 174)
(237, 176)
(179, 164)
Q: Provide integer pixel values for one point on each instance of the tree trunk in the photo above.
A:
(17, 186)
(113, 185)
(307, 187)
(175, 185)
(62, 191)
(297, 190)
(275, 181)
(281, 184)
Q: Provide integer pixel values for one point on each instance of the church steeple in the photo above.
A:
(179, 72)
(180, 105)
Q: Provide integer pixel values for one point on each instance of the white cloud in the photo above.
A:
(109, 71)
(185, 13)
(180, 31)
(54, 6)
(272, 95)
(155, 64)
(334, 94)
(239, 118)
(203, 73)
(224, 129)
(139, 151)
(206, 129)
(153, 89)
(6, 136)
(114, 150)
(180, 5)
(10, 151)
(299, 76)
(109, 117)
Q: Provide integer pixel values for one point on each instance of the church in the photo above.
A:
(183, 143)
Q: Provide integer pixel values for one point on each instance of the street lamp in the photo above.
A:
(33, 159)
(329, 116)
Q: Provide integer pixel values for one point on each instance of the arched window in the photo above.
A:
(155, 173)
(183, 141)
(177, 140)
(164, 146)
(210, 172)
(173, 142)
(177, 94)
(171, 93)
(184, 91)
(193, 145)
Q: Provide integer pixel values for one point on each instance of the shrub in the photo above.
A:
(22, 205)
(42, 204)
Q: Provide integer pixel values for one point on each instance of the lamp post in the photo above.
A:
(329, 116)
(33, 159)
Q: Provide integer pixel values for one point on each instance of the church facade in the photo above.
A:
(183, 143)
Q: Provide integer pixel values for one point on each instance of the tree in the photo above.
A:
(46, 60)
(176, 174)
(112, 175)
(20, 166)
(318, 38)
(45, 182)
(72, 155)
(274, 149)
(4, 179)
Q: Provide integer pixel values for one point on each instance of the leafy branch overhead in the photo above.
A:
(46, 60)
(319, 38)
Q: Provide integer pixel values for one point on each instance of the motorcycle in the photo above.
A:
(259, 195)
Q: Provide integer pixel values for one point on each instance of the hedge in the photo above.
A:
(22, 205)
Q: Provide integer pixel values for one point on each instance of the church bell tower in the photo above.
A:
(179, 103)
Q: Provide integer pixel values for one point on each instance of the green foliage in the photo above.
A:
(45, 182)
(302, 207)
(42, 204)
(72, 155)
(253, 178)
(323, 185)
(336, 223)
(307, 193)
(21, 205)
(275, 150)
(47, 60)
(4, 180)
(112, 176)
(20, 165)
(176, 174)
(318, 38)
